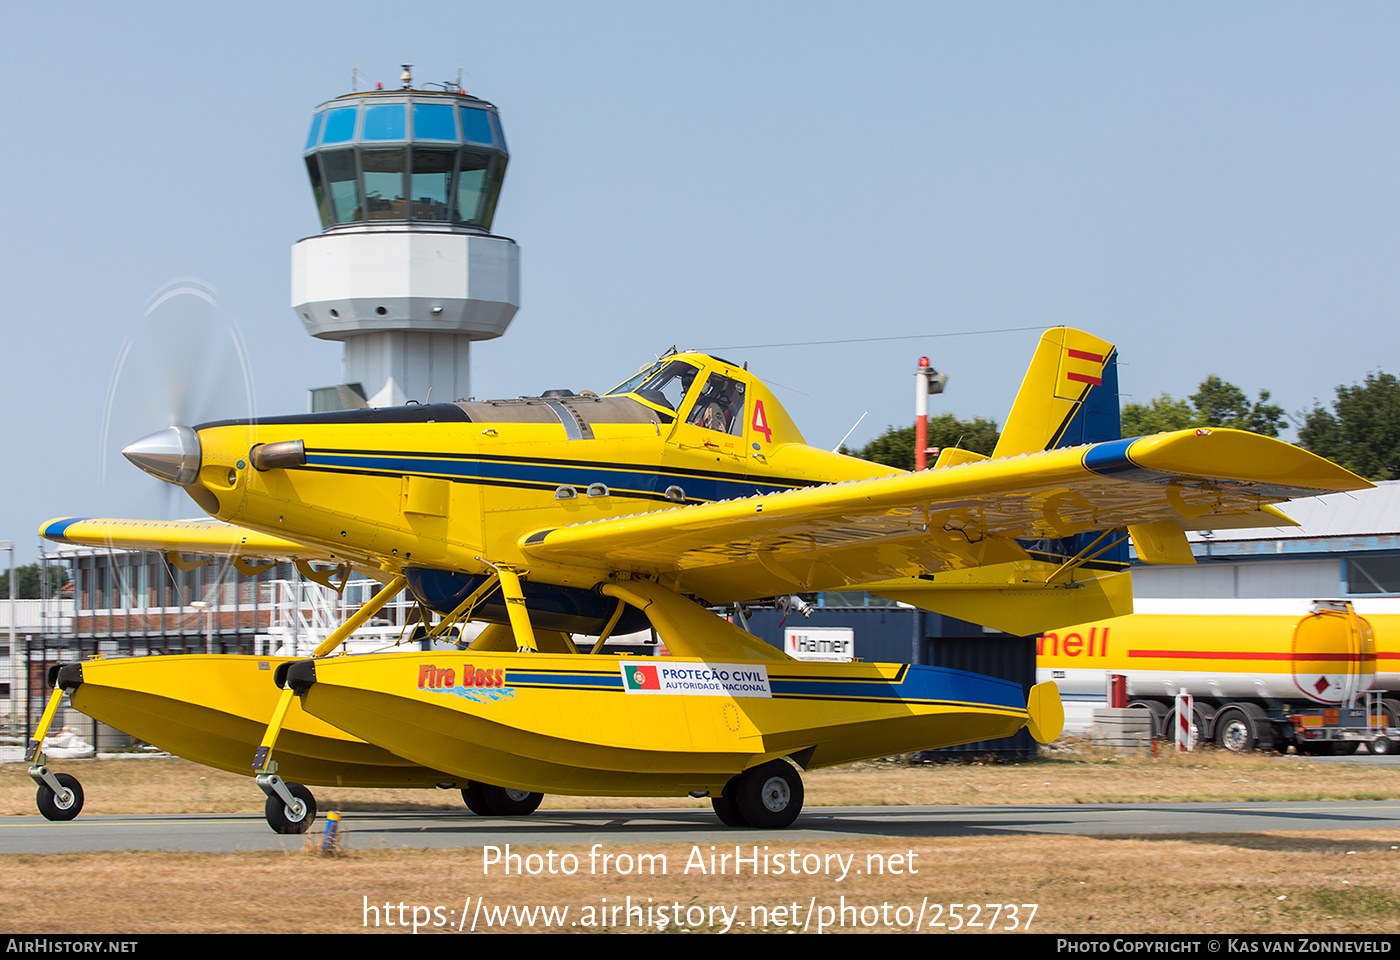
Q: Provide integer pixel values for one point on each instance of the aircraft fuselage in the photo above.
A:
(454, 486)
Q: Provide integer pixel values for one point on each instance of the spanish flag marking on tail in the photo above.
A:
(1079, 368)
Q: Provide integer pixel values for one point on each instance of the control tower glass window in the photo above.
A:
(384, 173)
(406, 156)
(318, 187)
(315, 130)
(433, 121)
(471, 178)
(500, 134)
(384, 121)
(340, 125)
(343, 184)
(432, 173)
(476, 126)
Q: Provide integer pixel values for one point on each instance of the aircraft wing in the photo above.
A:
(204, 537)
(1060, 505)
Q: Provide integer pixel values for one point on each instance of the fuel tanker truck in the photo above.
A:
(1322, 676)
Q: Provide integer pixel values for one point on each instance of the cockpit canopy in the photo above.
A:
(666, 384)
(703, 393)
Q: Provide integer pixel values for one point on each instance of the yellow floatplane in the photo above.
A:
(560, 518)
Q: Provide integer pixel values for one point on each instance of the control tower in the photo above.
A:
(405, 271)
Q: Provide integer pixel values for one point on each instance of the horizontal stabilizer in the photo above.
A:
(1161, 542)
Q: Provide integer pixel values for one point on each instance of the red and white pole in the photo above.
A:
(1185, 714)
(921, 415)
(926, 380)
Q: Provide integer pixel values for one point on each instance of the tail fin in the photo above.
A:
(1069, 395)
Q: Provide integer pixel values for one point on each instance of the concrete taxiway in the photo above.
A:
(215, 833)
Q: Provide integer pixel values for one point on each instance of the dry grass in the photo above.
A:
(1225, 884)
(1326, 882)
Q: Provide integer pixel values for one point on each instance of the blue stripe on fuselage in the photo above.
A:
(918, 684)
(543, 475)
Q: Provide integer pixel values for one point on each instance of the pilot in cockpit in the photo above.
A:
(720, 405)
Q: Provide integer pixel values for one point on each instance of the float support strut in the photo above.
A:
(263, 763)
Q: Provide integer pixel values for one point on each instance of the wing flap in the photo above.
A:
(1020, 599)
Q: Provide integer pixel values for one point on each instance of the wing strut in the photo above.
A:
(1084, 556)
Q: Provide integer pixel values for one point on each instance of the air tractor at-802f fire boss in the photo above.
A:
(1321, 676)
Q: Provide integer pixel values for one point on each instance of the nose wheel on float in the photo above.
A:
(60, 795)
(290, 807)
(768, 796)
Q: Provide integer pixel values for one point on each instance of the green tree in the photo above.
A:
(1217, 403)
(27, 581)
(1162, 415)
(1221, 404)
(895, 447)
(1361, 431)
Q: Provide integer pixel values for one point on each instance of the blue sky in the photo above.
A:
(1210, 186)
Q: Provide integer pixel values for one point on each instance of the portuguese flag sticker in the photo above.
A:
(689, 678)
(641, 677)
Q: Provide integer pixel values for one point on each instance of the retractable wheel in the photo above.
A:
(770, 796)
(505, 802)
(475, 800)
(727, 808)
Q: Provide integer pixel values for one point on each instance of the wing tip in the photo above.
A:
(55, 529)
(1276, 466)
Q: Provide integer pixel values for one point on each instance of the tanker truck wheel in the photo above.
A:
(1158, 713)
(1243, 727)
(1235, 733)
(1390, 712)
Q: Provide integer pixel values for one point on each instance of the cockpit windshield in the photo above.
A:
(634, 383)
(668, 386)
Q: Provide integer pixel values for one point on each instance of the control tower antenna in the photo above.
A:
(405, 270)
